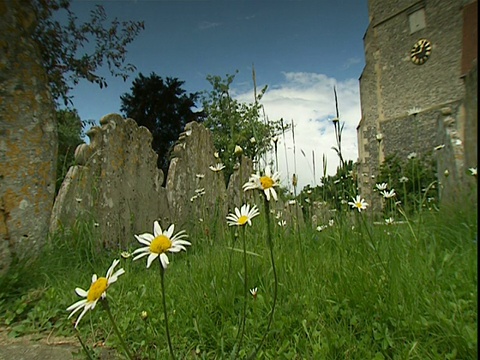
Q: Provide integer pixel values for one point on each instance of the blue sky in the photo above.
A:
(300, 49)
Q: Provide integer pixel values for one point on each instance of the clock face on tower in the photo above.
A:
(420, 51)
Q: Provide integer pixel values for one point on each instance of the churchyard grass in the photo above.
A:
(354, 290)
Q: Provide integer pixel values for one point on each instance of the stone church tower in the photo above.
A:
(417, 54)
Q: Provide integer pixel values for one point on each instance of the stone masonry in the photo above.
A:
(28, 137)
(402, 101)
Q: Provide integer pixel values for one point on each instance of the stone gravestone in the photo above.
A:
(236, 197)
(28, 137)
(116, 184)
(195, 192)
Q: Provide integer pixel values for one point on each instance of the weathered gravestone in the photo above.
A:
(236, 197)
(195, 192)
(116, 184)
(28, 138)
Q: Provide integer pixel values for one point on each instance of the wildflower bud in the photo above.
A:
(379, 137)
(446, 173)
(335, 120)
(144, 315)
(125, 254)
(253, 140)
(294, 180)
(238, 150)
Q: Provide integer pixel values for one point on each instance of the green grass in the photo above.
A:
(362, 292)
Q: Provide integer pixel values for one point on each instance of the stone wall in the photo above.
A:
(470, 122)
(28, 137)
(457, 130)
(391, 86)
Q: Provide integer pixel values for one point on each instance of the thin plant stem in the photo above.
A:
(245, 290)
(275, 290)
(169, 341)
(115, 328)
(84, 347)
(372, 244)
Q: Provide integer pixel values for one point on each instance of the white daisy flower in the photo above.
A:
(218, 167)
(389, 221)
(414, 111)
(242, 216)
(254, 292)
(382, 186)
(97, 291)
(473, 171)
(159, 243)
(388, 194)
(266, 183)
(412, 155)
(403, 179)
(358, 203)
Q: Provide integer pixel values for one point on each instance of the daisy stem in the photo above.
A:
(275, 289)
(84, 347)
(115, 328)
(245, 290)
(162, 272)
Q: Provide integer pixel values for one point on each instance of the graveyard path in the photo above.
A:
(42, 347)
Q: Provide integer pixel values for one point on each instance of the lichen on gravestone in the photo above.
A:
(28, 139)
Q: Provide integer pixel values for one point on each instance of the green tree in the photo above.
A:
(63, 45)
(234, 123)
(164, 108)
(70, 132)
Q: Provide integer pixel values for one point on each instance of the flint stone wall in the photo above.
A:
(28, 137)
(116, 184)
(457, 130)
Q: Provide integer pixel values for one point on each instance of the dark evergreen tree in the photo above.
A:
(70, 132)
(164, 108)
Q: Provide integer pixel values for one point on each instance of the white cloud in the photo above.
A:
(204, 25)
(308, 99)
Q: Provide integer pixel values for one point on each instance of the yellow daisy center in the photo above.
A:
(160, 244)
(358, 205)
(242, 220)
(97, 289)
(266, 182)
